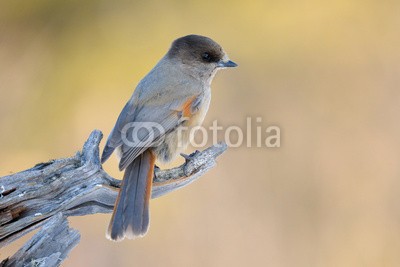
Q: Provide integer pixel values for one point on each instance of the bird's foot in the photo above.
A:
(190, 156)
(156, 170)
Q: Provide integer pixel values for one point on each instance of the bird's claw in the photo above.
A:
(190, 156)
(156, 170)
(188, 159)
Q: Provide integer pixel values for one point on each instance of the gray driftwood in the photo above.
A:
(45, 195)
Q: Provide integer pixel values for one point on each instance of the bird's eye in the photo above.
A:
(206, 57)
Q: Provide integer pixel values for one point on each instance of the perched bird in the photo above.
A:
(173, 96)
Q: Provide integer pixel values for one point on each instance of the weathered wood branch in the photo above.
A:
(48, 247)
(45, 195)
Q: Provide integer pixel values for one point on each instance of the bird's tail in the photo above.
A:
(130, 217)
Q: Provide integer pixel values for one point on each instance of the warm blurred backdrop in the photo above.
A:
(327, 73)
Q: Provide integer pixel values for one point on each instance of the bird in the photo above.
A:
(153, 125)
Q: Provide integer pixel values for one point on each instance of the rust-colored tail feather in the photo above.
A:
(130, 217)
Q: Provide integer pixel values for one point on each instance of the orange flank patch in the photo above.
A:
(187, 108)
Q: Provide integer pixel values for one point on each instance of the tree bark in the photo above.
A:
(45, 195)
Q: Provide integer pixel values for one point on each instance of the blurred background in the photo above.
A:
(327, 73)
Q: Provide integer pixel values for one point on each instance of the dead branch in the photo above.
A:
(45, 195)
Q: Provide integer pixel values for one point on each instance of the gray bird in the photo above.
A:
(155, 124)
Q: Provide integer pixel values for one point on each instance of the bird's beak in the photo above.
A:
(226, 64)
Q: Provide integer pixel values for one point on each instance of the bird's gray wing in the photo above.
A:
(152, 102)
(152, 122)
(114, 139)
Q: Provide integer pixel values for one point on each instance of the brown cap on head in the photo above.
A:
(197, 48)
